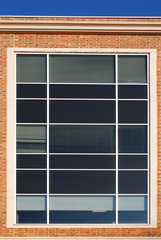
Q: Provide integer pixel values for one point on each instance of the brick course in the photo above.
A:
(73, 40)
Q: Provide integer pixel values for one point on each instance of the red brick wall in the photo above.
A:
(71, 40)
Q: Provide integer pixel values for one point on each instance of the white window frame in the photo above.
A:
(11, 133)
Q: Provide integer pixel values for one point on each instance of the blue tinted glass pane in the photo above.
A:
(132, 209)
(132, 139)
(82, 217)
(31, 217)
(79, 139)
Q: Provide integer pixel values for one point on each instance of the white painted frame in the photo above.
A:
(11, 133)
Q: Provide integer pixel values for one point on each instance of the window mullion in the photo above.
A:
(47, 138)
(116, 87)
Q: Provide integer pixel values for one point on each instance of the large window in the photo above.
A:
(82, 130)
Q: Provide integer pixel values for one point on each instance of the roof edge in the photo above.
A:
(79, 26)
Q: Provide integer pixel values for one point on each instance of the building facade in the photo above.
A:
(80, 128)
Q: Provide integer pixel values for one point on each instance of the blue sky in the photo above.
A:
(81, 7)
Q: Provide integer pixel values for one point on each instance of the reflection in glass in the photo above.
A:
(79, 139)
(132, 139)
(81, 68)
(31, 68)
(82, 209)
(31, 139)
(132, 69)
(93, 182)
(132, 209)
(31, 209)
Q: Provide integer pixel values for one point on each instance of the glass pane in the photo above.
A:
(81, 68)
(31, 68)
(82, 162)
(31, 209)
(132, 209)
(79, 139)
(31, 139)
(31, 181)
(132, 92)
(132, 139)
(82, 111)
(31, 111)
(132, 111)
(82, 209)
(31, 217)
(132, 182)
(132, 162)
(132, 69)
(82, 91)
(31, 91)
(31, 203)
(31, 161)
(82, 182)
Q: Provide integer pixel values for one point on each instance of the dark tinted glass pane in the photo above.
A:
(31, 217)
(132, 162)
(81, 68)
(132, 139)
(132, 182)
(31, 91)
(31, 181)
(31, 139)
(132, 111)
(82, 182)
(82, 217)
(82, 111)
(82, 91)
(84, 161)
(31, 68)
(132, 92)
(31, 111)
(75, 139)
(132, 69)
(132, 209)
(31, 161)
